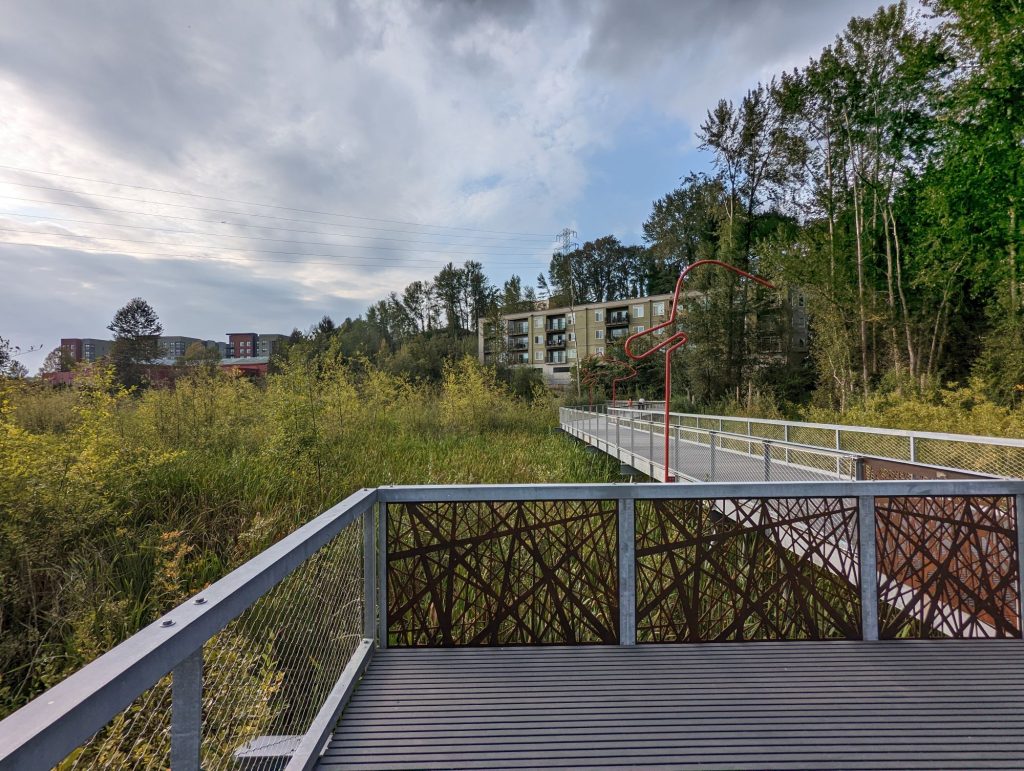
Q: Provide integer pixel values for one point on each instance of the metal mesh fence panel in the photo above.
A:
(138, 738)
(265, 675)
(879, 445)
(984, 458)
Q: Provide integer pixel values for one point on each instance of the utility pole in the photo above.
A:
(567, 244)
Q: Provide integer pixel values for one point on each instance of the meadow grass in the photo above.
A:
(114, 507)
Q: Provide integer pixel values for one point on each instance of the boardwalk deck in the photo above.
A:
(795, 705)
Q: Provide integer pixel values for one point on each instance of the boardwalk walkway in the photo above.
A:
(797, 705)
(703, 456)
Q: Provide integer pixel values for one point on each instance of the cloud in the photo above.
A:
(470, 113)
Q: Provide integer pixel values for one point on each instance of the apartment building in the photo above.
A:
(240, 345)
(80, 349)
(555, 339)
(173, 346)
(243, 345)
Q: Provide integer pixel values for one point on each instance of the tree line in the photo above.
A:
(883, 180)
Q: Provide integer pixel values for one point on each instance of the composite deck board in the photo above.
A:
(907, 704)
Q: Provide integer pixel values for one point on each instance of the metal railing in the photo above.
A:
(702, 455)
(256, 666)
(778, 454)
(627, 564)
(260, 664)
(990, 455)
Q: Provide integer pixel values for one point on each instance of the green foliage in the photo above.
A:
(113, 508)
(136, 329)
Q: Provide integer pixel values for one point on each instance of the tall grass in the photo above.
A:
(114, 507)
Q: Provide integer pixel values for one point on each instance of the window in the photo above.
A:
(599, 351)
(572, 318)
(538, 356)
(638, 311)
(538, 339)
(538, 322)
(571, 353)
(659, 309)
(572, 337)
(598, 315)
(599, 334)
(639, 328)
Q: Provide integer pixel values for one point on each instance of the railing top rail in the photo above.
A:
(699, 490)
(45, 730)
(970, 438)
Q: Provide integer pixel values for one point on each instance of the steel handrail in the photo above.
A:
(902, 432)
(47, 729)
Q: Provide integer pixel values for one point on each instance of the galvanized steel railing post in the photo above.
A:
(627, 572)
(370, 572)
(913, 449)
(675, 453)
(618, 445)
(187, 713)
(713, 443)
(766, 451)
(650, 452)
(382, 574)
(867, 559)
(1018, 506)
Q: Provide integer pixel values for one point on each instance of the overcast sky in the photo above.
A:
(398, 134)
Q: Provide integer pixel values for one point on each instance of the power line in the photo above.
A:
(382, 263)
(249, 238)
(266, 205)
(196, 219)
(259, 251)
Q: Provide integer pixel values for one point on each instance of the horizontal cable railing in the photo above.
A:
(256, 669)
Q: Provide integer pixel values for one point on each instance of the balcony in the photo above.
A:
(518, 327)
(618, 317)
(518, 344)
(556, 341)
(618, 333)
(556, 325)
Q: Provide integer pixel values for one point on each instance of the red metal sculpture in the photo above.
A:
(678, 339)
(594, 375)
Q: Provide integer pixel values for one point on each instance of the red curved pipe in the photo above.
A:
(594, 375)
(677, 340)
